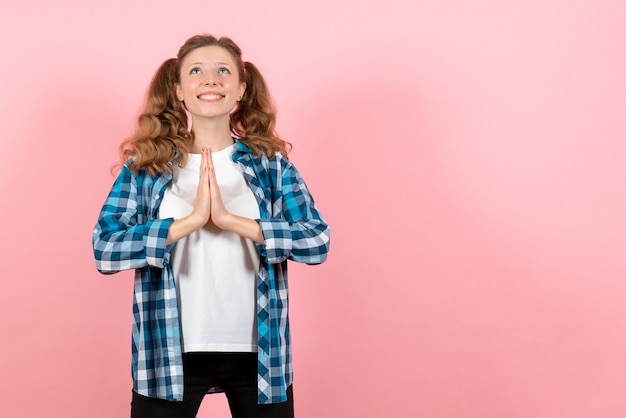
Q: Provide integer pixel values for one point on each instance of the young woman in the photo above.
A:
(208, 216)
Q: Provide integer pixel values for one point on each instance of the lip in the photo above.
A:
(210, 96)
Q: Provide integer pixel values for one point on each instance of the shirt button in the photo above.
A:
(156, 197)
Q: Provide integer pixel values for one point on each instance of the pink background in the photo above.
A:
(469, 156)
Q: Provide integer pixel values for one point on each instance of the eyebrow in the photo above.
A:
(202, 63)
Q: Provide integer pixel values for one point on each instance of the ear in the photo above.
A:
(242, 89)
(179, 92)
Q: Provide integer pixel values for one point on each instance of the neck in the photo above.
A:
(211, 134)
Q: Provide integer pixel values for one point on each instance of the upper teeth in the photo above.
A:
(210, 96)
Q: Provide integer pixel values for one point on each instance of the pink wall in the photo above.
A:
(469, 155)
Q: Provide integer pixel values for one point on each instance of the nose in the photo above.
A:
(210, 80)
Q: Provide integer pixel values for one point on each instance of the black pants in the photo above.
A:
(234, 373)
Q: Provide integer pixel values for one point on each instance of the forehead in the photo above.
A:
(209, 55)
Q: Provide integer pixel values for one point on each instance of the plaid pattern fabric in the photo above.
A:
(129, 235)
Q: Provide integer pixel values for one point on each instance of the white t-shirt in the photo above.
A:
(215, 270)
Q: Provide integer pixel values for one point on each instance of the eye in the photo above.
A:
(195, 70)
(223, 70)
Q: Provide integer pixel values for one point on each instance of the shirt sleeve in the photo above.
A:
(299, 232)
(125, 239)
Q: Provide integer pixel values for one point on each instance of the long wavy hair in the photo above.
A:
(162, 133)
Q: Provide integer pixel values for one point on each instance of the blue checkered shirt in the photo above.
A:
(130, 235)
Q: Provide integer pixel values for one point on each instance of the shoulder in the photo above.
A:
(278, 160)
(273, 170)
(281, 169)
(140, 178)
(131, 170)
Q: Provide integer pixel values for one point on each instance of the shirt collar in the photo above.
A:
(241, 147)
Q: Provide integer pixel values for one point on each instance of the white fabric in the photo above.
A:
(215, 270)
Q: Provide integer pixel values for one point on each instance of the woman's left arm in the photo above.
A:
(245, 227)
(299, 233)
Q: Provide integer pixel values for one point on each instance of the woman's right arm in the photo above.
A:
(120, 241)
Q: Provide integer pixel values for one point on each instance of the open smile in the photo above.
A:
(210, 96)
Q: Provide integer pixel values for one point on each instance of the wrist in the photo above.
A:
(195, 221)
(225, 222)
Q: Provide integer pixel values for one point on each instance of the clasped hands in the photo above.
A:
(209, 206)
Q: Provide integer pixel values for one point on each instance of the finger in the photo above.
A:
(212, 179)
(202, 163)
(211, 169)
(209, 157)
(206, 164)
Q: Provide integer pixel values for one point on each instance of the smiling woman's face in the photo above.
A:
(209, 83)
